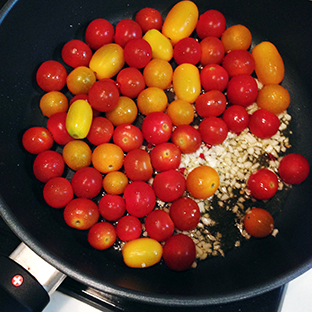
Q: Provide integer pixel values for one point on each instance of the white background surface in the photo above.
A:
(298, 298)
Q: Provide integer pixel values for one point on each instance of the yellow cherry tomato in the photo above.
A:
(161, 45)
(152, 99)
(80, 80)
(107, 61)
(269, 65)
(186, 82)
(181, 112)
(142, 252)
(53, 102)
(180, 21)
(79, 119)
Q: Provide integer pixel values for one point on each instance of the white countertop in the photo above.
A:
(298, 297)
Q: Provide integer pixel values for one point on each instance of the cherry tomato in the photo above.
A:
(102, 235)
(126, 30)
(129, 228)
(51, 76)
(262, 184)
(137, 165)
(236, 118)
(87, 182)
(57, 126)
(212, 51)
(81, 213)
(58, 192)
(99, 32)
(187, 138)
(258, 222)
(169, 185)
(165, 156)
(137, 53)
(179, 252)
(210, 24)
(269, 65)
(159, 225)
(157, 128)
(115, 182)
(80, 80)
(238, 62)
(242, 90)
(47, 165)
(152, 99)
(213, 130)
(37, 139)
(181, 21)
(214, 77)
(140, 198)
(76, 53)
(128, 137)
(112, 207)
(181, 112)
(131, 82)
(263, 124)
(149, 18)
(211, 103)
(185, 213)
(202, 182)
(294, 168)
(101, 131)
(78, 97)
(142, 252)
(187, 50)
(53, 102)
(186, 82)
(103, 96)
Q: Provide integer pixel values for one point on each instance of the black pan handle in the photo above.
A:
(26, 281)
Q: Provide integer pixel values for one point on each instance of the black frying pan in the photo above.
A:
(33, 31)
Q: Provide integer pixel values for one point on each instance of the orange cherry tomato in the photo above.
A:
(53, 102)
(181, 112)
(115, 182)
(80, 80)
(152, 99)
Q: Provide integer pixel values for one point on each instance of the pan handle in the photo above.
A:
(26, 281)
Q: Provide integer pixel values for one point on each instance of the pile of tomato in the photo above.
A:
(119, 76)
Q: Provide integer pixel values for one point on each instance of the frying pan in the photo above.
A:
(34, 31)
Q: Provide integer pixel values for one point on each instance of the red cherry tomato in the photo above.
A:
(129, 228)
(99, 32)
(81, 213)
(212, 51)
(137, 165)
(262, 184)
(112, 207)
(169, 185)
(76, 53)
(137, 53)
(157, 128)
(165, 156)
(211, 103)
(131, 82)
(159, 225)
(47, 165)
(214, 77)
(187, 138)
(213, 130)
(187, 50)
(87, 182)
(258, 222)
(37, 139)
(128, 137)
(211, 23)
(58, 192)
(140, 198)
(51, 76)
(179, 252)
(102, 235)
(149, 18)
(101, 131)
(242, 90)
(238, 62)
(103, 96)
(236, 118)
(57, 126)
(125, 30)
(185, 213)
(263, 124)
(294, 168)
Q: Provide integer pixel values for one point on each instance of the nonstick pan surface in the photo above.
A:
(34, 31)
